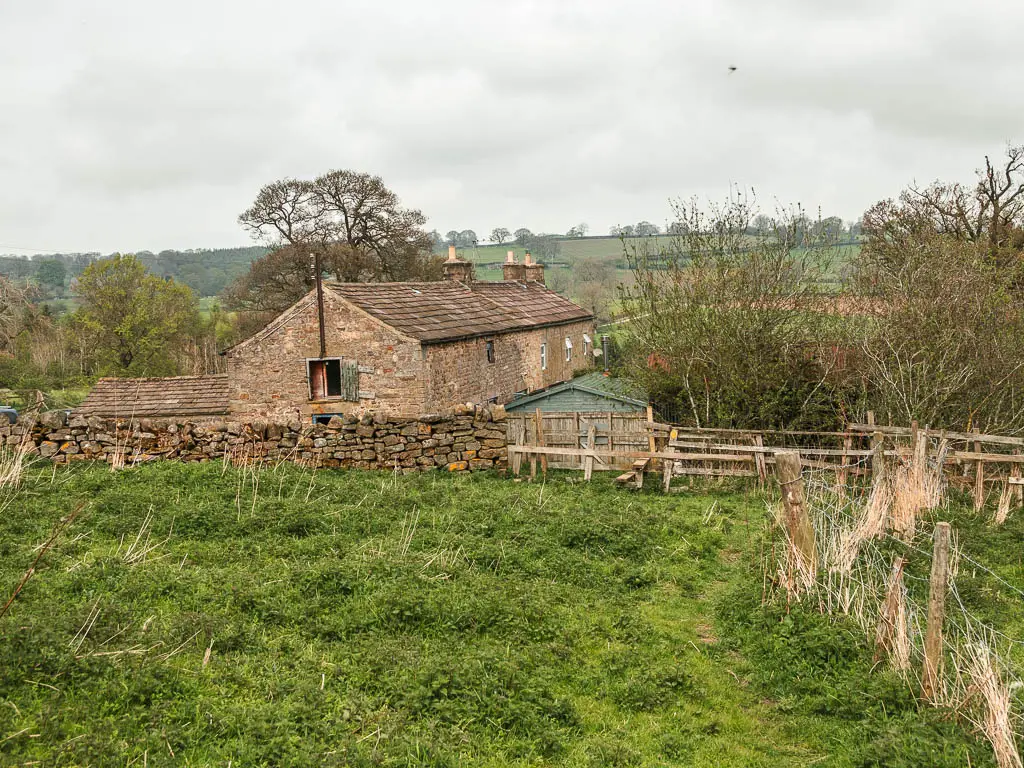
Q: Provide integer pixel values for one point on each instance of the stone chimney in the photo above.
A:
(457, 270)
(511, 269)
(532, 271)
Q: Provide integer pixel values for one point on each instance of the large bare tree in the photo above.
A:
(352, 220)
(989, 212)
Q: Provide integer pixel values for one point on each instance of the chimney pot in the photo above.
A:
(528, 260)
(510, 257)
(451, 253)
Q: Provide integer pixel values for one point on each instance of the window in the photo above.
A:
(324, 418)
(586, 345)
(333, 377)
(490, 351)
(568, 349)
(543, 357)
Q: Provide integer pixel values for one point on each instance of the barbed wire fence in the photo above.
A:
(856, 566)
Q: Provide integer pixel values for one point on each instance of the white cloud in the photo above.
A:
(129, 126)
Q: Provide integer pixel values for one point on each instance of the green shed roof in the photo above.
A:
(590, 392)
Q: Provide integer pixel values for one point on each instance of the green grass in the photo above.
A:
(364, 619)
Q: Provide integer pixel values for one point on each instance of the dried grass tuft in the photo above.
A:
(987, 699)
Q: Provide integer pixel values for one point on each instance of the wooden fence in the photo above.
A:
(633, 442)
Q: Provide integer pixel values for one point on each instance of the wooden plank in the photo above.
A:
(639, 470)
(995, 458)
(967, 437)
(747, 432)
(774, 449)
(714, 472)
(605, 454)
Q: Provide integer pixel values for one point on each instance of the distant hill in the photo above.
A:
(207, 271)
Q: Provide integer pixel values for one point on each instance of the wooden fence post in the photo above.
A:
(877, 452)
(1017, 493)
(889, 628)
(798, 522)
(979, 476)
(936, 612)
(843, 474)
(539, 421)
(588, 462)
(520, 440)
(759, 461)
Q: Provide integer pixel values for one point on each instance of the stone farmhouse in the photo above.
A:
(402, 349)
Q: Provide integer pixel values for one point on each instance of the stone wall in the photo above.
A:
(464, 440)
(458, 372)
(267, 373)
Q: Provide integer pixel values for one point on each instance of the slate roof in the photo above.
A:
(445, 310)
(146, 398)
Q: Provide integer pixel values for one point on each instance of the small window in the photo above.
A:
(324, 418)
(568, 349)
(333, 377)
(490, 351)
(543, 357)
(586, 345)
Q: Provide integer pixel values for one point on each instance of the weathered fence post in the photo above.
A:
(759, 461)
(877, 452)
(519, 441)
(892, 621)
(539, 421)
(798, 521)
(979, 476)
(588, 462)
(1018, 490)
(936, 612)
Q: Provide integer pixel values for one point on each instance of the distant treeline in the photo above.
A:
(207, 271)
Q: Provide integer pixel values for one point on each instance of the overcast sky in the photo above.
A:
(128, 125)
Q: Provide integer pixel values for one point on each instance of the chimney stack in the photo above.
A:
(512, 270)
(532, 270)
(457, 270)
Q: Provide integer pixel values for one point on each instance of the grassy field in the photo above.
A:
(208, 615)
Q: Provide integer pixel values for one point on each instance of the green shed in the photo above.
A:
(590, 393)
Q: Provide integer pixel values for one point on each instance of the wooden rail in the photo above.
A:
(621, 441)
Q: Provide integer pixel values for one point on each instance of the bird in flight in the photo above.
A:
(732, 69)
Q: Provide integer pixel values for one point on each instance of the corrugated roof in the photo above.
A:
(445, 310)
(173, 396)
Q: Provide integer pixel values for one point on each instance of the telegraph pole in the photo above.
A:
(317, 275)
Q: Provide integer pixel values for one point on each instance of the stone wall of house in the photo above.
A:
(268, 377)
(458, 372)
(463, 440)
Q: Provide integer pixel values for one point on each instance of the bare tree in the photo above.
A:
(945, 310)
(15, 300)
(991, 211)
(499, 235)
(347, 208)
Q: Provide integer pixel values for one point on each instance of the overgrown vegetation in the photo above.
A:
(200, 614)
(741, 331)
(726, 329)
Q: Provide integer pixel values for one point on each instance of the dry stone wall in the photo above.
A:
(464, 440)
